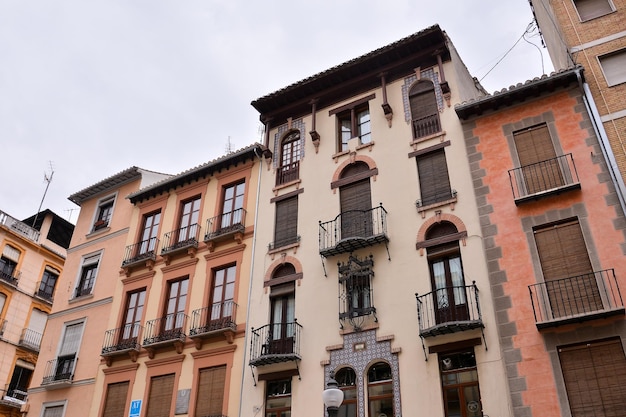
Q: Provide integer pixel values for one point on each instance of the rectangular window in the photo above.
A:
(432, 170)
(149, 232)
(160, 397)
(105, 210)
(278, 398)
(175, 303)
(66, 360)
(8, 263)
(20, 379)
(614, 67)
(188, 225)
(132, 321)
(354, 123)
(115, 401)
(232, 206)
(222, 297)
(590, 9)
(291, 152)
(286, 222)
(48, 282)
(595, 378)
(53, 411)
(356, 296)
(459, 380)
(283, 326)
(210, 397)
(88, 274)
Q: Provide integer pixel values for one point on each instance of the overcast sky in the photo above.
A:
(96, 86)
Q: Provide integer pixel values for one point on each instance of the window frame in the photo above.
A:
(89, 263)
(189, 219)
(129, 335)
(213, 389)
(46, 290)
(175, 325)
(447, 384)
(53, 404)
(233, 215)
(590, 16)
(379, 398)
(226, 301)
(285, 222)
(423, 92)
(104, 213)
(291, 151)
(602, 62)
(149, 234)
(67, 356)
(279, 411)
(7, 262)
(350, 111)
(434, 176)
(348, 407)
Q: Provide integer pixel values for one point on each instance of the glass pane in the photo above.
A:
(453, 403)
(472, 401)
(380, 389)
(381, 407)
(457, 280)
(347, 410)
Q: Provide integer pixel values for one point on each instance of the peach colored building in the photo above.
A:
(174, 339)
(32, 255)
(63, 382)
(370, 263)
(553, 229)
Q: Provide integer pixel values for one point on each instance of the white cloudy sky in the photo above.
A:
(96, 86)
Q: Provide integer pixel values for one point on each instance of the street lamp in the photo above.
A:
(332, 396)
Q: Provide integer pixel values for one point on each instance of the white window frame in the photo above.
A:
(82, 321)
(619, 52)
(89, 259)
(51, 404)
(102, 202)
(610, 2)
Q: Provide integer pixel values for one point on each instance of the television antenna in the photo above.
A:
(47, 179)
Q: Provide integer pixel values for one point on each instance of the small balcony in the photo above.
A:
(19, 227)
(275, 343)
(288, 173)
(449, 310)
(59, 372)
(30, 340)
(213, 321)
(353, 230)
(576, 299)
(14, 397)
(181, 240)
(9, 276)
(542, 179)
(165, 331)
(426, 126)
(121, 341)
(44, 293)
(225, 226)
(141, 253)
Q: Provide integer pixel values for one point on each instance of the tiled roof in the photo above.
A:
(122, 177)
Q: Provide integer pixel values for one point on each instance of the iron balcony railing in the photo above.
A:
(60, 369)
(426, 126)
(353, 229)
(122, 339)
(436, 198)
(219, 316)
(274, 343)
(17, 394)
(81, 291)
(542, 177)
(449, 310)
(168, 328)
(182, 238)
(577, 298)
(142, 251)
(30, 339)
(10, 275)
(17, 226)
(287, 173)
(45, 293)
(225, 224)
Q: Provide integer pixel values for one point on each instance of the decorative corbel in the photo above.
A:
(315, 137)
(445, 88)
(386, 107)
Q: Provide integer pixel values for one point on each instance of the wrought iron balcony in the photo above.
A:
(544, 178)
(181, 239)
(288, 173)
(45, 293)
(59, 371)
(449, 310)
(218, 319)
(436, 198)
(30, 339)
(82, 291)
(352, 230)
(576, 299)
(10, 275)
(140, 252)
(15, 395)
(225, 225)
(275, 343)
(426, 126)
(122, 340)
(166, 330)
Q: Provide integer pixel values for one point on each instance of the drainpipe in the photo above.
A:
(607, 151)
(247, 331)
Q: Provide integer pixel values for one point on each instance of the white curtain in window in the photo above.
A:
(457, 280)
(11, 253)
(38, 321)
(71, 339)
(440, 284)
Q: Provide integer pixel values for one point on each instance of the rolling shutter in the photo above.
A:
(56, 411)
(210, 398)
(433, 177)
(160, 398)
(286, 229)
(589, 9)
(614, 67)
(115, 402)
(537, 158)
(356, 204)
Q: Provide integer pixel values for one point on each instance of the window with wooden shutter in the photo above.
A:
(590, 9)
(286, 222)
(567, 271)
(356, 214)
(595, 378)
(424, 109)
(160, 397)
(210, 398)
(433, 177)
(115, 402)
(540, 168)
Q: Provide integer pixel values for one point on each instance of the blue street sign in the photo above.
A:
(135, 408)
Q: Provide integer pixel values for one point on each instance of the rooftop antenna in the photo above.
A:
(69, 217)
(229, 146)
(47, 179)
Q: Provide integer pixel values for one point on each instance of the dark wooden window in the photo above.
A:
(291, 152)
(566, 268)
(286, 222)
(149, 232)
(210, 398)
(232, 205)
(115, 402)
(590, 9)
(48, 282)
(282, 329)
(459, 380)
(160, 396)
(105, 210)
(540, 168)
(354, 123)
(278, 399)
(188, 225)
(595, 378)
(432, 170)
(87, 276)
(346, 380)
(134, 312)
(380, 390)
(448, 284)
(20, 379)
(424, 109)
(9, 260)
(356, 203)
(222, 296)
(175, 305)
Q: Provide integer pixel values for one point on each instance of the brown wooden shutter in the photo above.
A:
(286, 229)
(537, 157)
(595, 378)
(160, 398)
(566, 268)
(589, 9)
(356, 203)
(115, 403)
(210, 399)
(433, 177)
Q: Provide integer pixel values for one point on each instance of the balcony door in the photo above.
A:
(570, 282)
(222, 297)
(356, 203)
(190, 212)
(149, 232)
(174, 319)
(132, 321)
(233, 205)
(537, 158)
(282, 329)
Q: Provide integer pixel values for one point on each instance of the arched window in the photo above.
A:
(424, 109)
(380, 390)
(446, 273)
(346, 379)
(356, 203)
(290, 154)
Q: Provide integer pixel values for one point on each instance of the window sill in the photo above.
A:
(286, 185)
(357, 148)
(280, 249)
(441, 135)
(97, 232)
(80, 298)
(451, 201)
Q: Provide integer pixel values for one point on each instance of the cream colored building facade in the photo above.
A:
(32, 256)
(369, 262)
(63, 382)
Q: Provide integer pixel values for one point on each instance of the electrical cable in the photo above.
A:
(507, 52)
